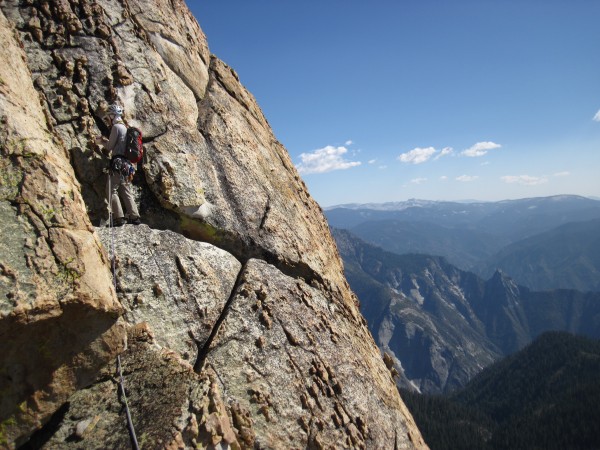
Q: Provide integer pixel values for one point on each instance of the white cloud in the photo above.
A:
(444, 152)
(372, 161)
(480, 149)
(418, 180)
(525, 180)
(443, 178)
(349, 142)
(467, 178)
(597, 116)
(417, 155)
(382, 167)
(324, 160)
(562, 174)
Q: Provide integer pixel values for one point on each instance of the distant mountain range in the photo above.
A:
(442, 325)
(567, 256)
(542, 243)
(546, 396)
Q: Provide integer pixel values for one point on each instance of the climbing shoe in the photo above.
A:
(118, 222)
(135, 221)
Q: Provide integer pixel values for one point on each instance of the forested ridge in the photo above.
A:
(546, 396)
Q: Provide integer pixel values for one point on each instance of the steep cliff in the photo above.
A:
(440, 326)
(231, 314)
(419, 308)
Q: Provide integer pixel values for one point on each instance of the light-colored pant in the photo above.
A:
(114, 187)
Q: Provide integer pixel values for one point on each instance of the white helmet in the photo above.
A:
(114, 110)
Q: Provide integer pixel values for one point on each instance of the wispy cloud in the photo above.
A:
(418, 180)
(417, 155)
(467, 178)
(562, 174)
(480, 149)
(325, 159)
(420, 155)
(597, 116)
(444, 152)
(349, 142)
(525, 180)
(372, 161)
(443, 178)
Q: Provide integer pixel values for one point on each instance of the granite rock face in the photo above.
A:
(58, 310)
(250, 338)
(288, 354)
(188, 411)
(176, 285)
(212, 160)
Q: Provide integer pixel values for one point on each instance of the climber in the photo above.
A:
(120, 170)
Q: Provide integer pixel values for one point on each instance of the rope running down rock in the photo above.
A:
(134, 442)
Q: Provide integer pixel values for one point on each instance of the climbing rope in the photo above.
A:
(134, 442)
(112, 230)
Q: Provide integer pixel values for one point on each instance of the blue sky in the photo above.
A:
(439, 100)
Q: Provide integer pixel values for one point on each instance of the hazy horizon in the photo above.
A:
(454, 201)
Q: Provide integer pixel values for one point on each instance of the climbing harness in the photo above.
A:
(134, 442)
(119, 164)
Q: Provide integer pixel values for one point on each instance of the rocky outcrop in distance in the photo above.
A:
(439, 326)
(418, 308)
(229, 307)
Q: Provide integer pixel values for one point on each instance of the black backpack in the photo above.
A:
(134, 149)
